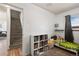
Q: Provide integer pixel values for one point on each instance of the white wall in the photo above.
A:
(36, 21)
(60, 19)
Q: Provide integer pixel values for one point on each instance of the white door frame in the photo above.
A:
(9, 7)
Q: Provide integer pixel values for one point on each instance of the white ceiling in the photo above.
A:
(57, 7)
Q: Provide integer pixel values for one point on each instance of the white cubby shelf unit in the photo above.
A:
(39, 44)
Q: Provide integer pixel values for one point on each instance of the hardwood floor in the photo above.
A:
(15, 52)
(57, 52)
(52, 52)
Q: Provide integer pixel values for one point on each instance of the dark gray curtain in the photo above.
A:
(68, 29)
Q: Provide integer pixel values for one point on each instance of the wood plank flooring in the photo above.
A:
(52, 52)
(57, 52)
(15, 52)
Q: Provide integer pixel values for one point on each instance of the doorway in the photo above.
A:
(15, 30)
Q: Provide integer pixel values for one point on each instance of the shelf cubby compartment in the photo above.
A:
(41, 37)
(41, 44)
(46, 37)
(35, 45)
(35, 52)
(36, 38)
(45, 42)
(45, 48)
(41, 50)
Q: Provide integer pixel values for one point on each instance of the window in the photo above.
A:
(75, 21)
